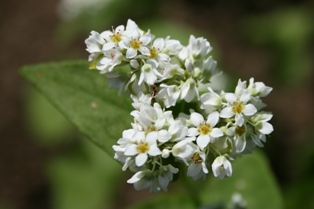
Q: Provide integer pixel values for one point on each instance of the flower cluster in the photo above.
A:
(181, 124)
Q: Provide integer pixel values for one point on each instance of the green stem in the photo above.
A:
(192, 190)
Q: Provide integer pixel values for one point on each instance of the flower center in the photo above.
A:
(150, 129)
(238, 107)
(153, 52)
(204, 128)
(197, 158)
(240, 130)
(142, 147)
(135, 44)
(115, 37)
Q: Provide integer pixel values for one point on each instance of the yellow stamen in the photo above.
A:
(238, 107)
(142, 147)
(240, 130)
(135, 44)
(197, 158)
(204, 128)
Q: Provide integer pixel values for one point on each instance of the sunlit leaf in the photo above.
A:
(252, 179)
(84, 98)
(86, 178)
(44, 121)
(169, 201)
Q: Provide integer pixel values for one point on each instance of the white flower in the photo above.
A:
(141, 99)
(210, 101)
(113, 37)
(156, 50)
(145, 145)
(261, 124)
(149, 73)
(144, 179)
(197, 167)
(111, 59)
(197, 48)
(238, 107)
(166, 175)
(221, 167)
(170, 94)
(189, 90)
(205, 129)
(184, 150)
(172, 47)
(135, 40)
(154, 180)
(258, 88)
(95, 42)
(152, 118)
(239, 136)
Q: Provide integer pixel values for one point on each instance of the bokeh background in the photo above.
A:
(46, 163)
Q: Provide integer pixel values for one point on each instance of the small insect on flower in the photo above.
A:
(154, 90)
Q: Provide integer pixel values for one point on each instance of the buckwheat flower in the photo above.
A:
(221, 167)
(197, 167)
(144, 179)
(178, 131)
(189, 90)
(111, 59)
(183, 150)
(113, 37)
(172, 47)
(258, 88)
(166, 175)
(238, 107)
(135, 42)
(156, 51)
(131, 26)
(211, 101)
(200, 47)
(196, 49)
(94, 45)
(155, 180)
(149, 73)
(238, 133)
(140, 99)
(169, 94)
(261, 124)
(205, 130)
(145, 145)
(95, 42)
(151, 118)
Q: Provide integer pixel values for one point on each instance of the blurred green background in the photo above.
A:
(46, 163)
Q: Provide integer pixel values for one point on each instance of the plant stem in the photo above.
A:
(193, 191)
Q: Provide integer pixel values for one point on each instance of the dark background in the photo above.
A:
(250, 39)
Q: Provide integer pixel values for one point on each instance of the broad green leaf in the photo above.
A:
(84, 98)
(86, 178)
(38, 109)
(169, 201)
(252, 178)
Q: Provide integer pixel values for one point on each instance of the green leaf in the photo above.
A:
(252, 178)
(83, 97)
(84, 178)
(169, 201)
(49, 132)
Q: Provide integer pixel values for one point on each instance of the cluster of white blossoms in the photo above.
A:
(180, 123)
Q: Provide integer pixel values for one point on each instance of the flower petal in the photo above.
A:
(230, 97)
(213, 118)
(196, 119)
(249, 110)
(226, 112)
(140, 159)
(216, 132)
(202, 140)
